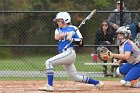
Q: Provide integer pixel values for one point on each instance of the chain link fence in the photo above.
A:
(27, 31)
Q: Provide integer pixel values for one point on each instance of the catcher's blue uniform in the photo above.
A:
(131, 69)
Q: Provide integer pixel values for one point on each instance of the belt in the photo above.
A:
(65, 49)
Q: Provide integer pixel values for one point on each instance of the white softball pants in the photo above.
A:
(66, 58)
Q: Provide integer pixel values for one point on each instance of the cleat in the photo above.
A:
(47, 88)
(99, 85)
(135, 83)
(125, 83)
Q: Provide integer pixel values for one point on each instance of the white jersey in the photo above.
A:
(129, 46)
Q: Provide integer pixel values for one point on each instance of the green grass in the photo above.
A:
(37, 63)
(83, 58)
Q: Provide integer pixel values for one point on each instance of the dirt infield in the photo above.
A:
(63, 87)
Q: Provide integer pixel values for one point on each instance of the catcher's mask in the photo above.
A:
(125, 31)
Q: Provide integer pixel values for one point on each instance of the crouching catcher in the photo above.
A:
(129, 53)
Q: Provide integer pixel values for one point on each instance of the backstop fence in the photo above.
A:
(26, 36)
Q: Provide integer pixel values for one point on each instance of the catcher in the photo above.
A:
(129, 53)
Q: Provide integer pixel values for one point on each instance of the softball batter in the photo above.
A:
(66, 34)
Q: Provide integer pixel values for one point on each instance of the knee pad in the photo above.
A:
(118, 71)
(48, 64)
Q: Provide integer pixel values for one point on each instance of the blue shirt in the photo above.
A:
(63, 43)
(128, 47)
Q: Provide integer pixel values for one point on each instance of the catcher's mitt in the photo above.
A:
(104, 54)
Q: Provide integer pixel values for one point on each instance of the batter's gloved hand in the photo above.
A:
(104, 54)
(69, 36)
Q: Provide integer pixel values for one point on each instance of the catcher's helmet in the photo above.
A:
(125, 31)
(63, 15)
